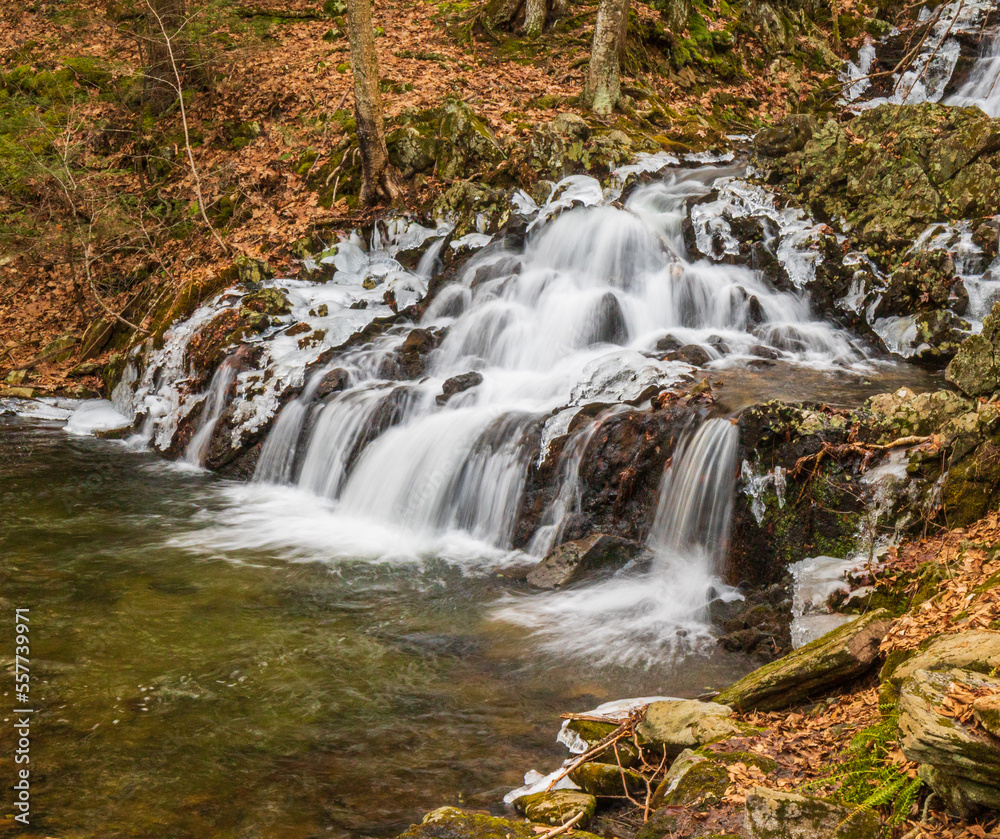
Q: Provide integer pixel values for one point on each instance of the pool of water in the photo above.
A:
(192, 679)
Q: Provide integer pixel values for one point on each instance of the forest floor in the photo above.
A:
(99, 214)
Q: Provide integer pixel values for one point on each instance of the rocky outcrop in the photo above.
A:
(958, 760)
(590, 558)
(890, 172)
(787, 815)
(977, 650)
(837, 658)
(679, 724)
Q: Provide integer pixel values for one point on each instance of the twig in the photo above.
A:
(622, 731)
(184, 124)
(563, 828)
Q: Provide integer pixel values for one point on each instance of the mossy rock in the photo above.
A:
(607, 780)
(268, 301)
(556, 807)
(786, 815)
(453, 823)
(693, 781)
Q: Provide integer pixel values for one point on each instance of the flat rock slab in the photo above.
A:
(453, 823)
(961, 763)
(680, 724)
(787, 815)
(595, 556)
(836, 658)
(977, 650)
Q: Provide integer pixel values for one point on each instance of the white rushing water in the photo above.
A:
(379, 459)
(645, 615)
(982, 87)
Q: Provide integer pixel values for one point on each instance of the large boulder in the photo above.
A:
(679, 724)
(975, 369)
(974, 650)
(584, 559)
(693, 780)
(958, 760)
(787, 815)
(839, 657)
(453, 823)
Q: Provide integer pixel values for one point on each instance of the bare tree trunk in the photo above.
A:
(534, 17)
(497, 14)
(603, 88)
(165, 20)
(377, 177)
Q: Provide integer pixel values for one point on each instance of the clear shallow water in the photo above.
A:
(257, 690)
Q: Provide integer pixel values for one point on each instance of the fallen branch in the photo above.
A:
(623, 730)
(866, 449)
(563, 828)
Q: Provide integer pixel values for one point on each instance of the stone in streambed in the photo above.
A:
(838, 657)
(786, 815)
(458, 384)
(333, 382)
(453, 823)
(692, 781)
(607, 779)
(589, 558)
(557, 807)
(679, 724)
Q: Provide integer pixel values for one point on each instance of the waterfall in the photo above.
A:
(982, 88)
(645, 616)
(212, 408)
(696, 499)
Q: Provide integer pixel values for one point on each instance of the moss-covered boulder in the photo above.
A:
(771, 814)
(453, 823)
(693, 780)
(977, 650)
(959, 761)
(892, 171)
(607, 780)
(975, 370)
(677, 724)
(556, 807)
(837, 658)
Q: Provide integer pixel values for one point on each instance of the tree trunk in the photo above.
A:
(534, 17)
(377, 177)
(497, 14)
(603, 82)
(165, 18)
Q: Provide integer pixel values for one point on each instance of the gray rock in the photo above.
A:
(693, 780)
(976, 650)
(838, 657)
(787, 815)
(589, 558)
(960, 763)
(679, 724)
(607, 780)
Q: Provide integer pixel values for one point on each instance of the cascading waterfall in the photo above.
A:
(215, 404)
(982, 87)
(644, 615)
(571, 320)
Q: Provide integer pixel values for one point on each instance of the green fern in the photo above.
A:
(867, 779)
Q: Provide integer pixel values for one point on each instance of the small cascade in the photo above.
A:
(646, 616)
(214, 405)
(696, 500)
(982, 88)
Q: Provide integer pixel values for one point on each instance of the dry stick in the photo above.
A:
(622, 731)
(563, 828)
(97, 297)
(184, 123)
(940, 43)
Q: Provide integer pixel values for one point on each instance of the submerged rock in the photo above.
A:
(590, 558)
(838, 657)
(958, 761)
(787, 815)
